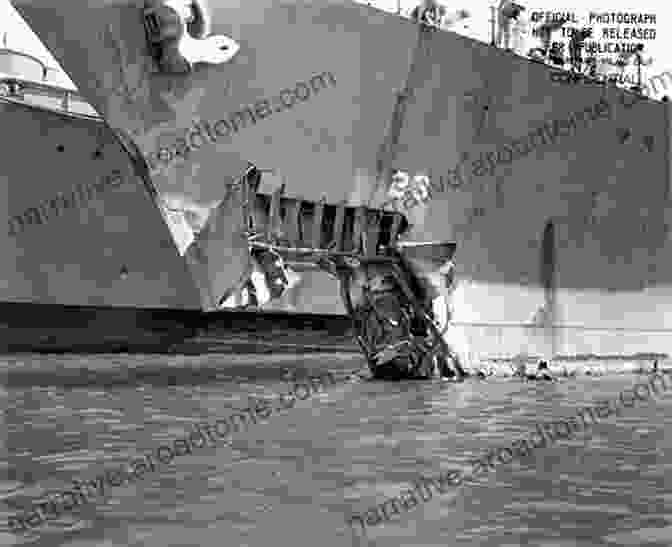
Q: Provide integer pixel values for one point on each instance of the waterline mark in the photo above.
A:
(137, 467)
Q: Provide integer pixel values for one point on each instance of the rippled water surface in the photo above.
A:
(294, 480)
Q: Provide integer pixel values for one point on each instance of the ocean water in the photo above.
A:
(295, 479)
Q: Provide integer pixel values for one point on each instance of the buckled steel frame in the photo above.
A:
(342, 240)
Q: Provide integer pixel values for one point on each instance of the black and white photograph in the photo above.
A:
(336, 273)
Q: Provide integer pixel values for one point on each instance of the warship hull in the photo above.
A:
(557, 197)
(91, 265)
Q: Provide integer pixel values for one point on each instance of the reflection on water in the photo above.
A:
(296, 479)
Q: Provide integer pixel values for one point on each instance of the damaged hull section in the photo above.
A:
(334, 97)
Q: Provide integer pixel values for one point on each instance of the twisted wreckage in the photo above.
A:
(238, 245)
(235, 148)
(384, 291)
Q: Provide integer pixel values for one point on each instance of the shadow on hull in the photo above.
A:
(90, 330)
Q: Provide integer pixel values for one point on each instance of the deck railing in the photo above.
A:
(35, 93)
